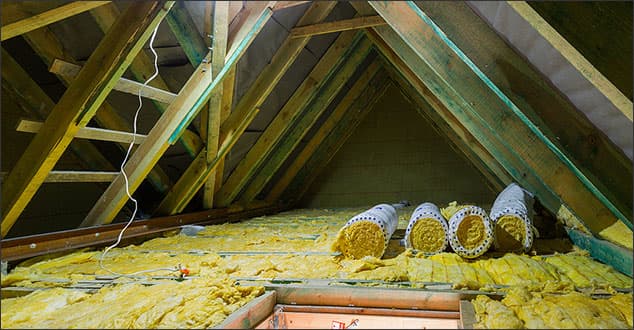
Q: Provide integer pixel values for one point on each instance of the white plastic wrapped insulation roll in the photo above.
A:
(427, 230)
(512, 217)
(367, 233)
(470, 232)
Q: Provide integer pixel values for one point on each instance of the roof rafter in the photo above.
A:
(51, 16)
(482, 107)
(365, 86)
(78, 104)
(337, 26)
(357, 53)
(178, 115)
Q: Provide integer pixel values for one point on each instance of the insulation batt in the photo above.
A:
(512, 218)
(306, 234)
(427, 230)
(470, 230)
(367, 233)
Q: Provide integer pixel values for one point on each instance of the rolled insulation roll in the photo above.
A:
(427, 230)
(367, 233)
(512, 215)
(470, 231)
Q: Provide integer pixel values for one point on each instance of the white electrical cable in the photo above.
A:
(127, 184)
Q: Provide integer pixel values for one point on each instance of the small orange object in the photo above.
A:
(184, 271)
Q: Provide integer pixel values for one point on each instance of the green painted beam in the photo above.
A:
(356, 54)
(184, 29)
(468, 92)
(336, 139)
(607, 252)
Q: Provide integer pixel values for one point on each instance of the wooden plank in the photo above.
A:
(589, 148)
(219, 46)
(482, 99)
(76, 176)
(266, 81)
(227, 101)
(357, 53)
(251, 314)
(172, 123)
(54, 15)
(48, 47)
(184, 29)
(289, 113)
(17, 84)
(78, 105)
(467, 315)
(607, 252)
(371, 311)
(142, 68)
(594, 76)
(90, 133)
(361, 87)
(199, 172)
(337, 26)
(70, 71)
(330, 145)
(286, 4)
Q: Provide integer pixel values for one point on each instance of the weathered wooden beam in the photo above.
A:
(173, 122)
(478, 100)
(70, 71)
(331, 27)
(327, 93)
(359, 95)
(318, 160)
(247, 167)
(33, 100)
(286, 4)
(219, 47)
(589, 148)
(199, 172)
(48, 47)
(77, 176)
(607, 252)
(594, 76)
(266, 81)
(227, 102)
(142, 68)
(251, 314)
(51, 16)
(90, 133)
(184, 29)
(78, 105)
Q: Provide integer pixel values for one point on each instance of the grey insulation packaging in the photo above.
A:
(427, 211)
(517, 202)
(487, 234)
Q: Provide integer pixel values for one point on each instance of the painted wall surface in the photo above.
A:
(395, 154)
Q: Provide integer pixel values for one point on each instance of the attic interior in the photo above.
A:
(300, 164)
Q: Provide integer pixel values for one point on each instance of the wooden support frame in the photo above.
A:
(48, 47)
(339, 134)
(78, 105)
(43, 19)
(70, 71)
(572, 55)
(286, 4)
(607, 252)
(561, 180)
(306, 92)
(173, 122)
(337, 26)
(77, 176)
(363, 90)
(357, 53)
(184, 28)
(90, 133)
(255, 95)
(34, 101)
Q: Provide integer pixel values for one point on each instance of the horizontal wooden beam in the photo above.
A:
(574, 57)
(70, 71)
(331, 27)
(76, 176)
(175, 120)
(252, 314)
(54, 15)
(90, 133)
(78, 104)
(286, 4)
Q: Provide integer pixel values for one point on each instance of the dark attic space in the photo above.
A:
(316, 164)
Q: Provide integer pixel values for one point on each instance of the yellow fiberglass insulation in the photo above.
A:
(572, 310)
(618, 233)
(197, 303)
(470, 232)
(427, 230)
(360, 239)
(511, 215)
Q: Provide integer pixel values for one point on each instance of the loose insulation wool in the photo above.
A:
(367, 233)
(470, 231)
(511, 215)
(427, 230)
